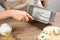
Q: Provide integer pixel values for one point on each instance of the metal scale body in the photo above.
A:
(41, 14)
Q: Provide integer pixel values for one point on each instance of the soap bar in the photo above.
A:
(48, 30)
(43, 36)
(41, 14)
(8, 37)
(57, 30)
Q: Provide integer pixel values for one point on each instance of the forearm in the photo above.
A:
(4, 15)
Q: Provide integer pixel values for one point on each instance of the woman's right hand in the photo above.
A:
(20, 15)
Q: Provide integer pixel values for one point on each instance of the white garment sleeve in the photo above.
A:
(37, 2)
(1, 8)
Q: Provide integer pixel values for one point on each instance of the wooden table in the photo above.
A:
(29, 31)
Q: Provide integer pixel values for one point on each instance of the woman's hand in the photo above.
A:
(16, 14)
(20, 15)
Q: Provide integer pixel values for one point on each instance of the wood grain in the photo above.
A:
(28, 31)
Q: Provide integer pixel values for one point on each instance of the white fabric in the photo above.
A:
(1, 8)
(12, 0)
(37, 2)
(21, 4)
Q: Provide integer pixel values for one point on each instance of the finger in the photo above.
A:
(22, 19)
(26, 18)
(30, 16)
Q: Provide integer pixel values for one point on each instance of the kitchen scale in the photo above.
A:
(41, 14)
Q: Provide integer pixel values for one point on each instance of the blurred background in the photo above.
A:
(54, 5)
(51, 4)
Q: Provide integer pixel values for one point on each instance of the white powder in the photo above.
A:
(5, 28)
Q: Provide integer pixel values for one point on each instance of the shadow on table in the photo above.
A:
(38, 24)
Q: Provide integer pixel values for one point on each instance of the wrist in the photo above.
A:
(9, 13)
(5, 14)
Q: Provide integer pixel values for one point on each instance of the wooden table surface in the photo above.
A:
(28, 31)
